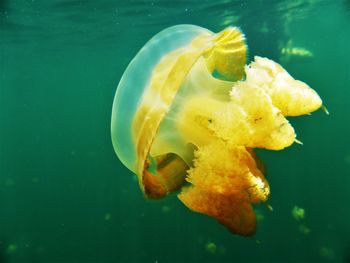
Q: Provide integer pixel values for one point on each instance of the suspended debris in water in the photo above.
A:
(298, 213)
(327, 253)
(259, 215)
(12, 248)
(264, 28)
(166, 209)
(304, 229)
(269, 207)
(211, 247)
(108, 216)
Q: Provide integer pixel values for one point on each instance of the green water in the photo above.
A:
(64, 195)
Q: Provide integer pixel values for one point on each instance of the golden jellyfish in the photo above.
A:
(188, 112)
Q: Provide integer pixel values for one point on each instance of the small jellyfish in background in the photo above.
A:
(290, 51)
(299, 214)
(188, 113)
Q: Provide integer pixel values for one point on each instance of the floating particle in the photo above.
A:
(166, 209)
(35, 180)
(269, 207)
(298, 213)
(304, 229)
(211, 247)
(259, 215)
(327, 253)
(221, 250)
(264, 28)
(12, 248)
(108, 216)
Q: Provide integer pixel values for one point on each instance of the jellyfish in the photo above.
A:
(188, 113)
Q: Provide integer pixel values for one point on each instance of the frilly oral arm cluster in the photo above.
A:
(225, 179)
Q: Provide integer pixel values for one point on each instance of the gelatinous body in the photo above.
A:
(188, 112)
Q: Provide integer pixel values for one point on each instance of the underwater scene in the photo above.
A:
(174, 131)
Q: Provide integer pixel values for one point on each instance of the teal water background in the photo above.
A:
(64, 195)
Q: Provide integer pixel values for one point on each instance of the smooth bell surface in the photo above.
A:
(134, 82)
